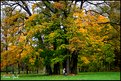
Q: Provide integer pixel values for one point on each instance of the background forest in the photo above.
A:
(47, 36)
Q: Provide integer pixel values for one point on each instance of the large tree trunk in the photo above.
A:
(22, 66)
(68, 65)
(64, 63)
(48, 70)
(13, 68)
(79, 69)
(56, 68)
(74, 60)
(6, 69)
(37, 70)
(19, 63)
(18, 68)
(6, 48)
(27, 69)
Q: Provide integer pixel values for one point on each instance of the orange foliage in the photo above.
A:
(102, 19)
(58, 5)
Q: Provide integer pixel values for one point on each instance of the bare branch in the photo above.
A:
(26, 8)
(82, 2)
(45, 3)
(95, 4)
(110, 23)
(94, 12)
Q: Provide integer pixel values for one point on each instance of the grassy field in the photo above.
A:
(80, 76)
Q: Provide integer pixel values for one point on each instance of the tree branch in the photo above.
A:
(94, 12)
(82, 2)
(26, 8)
(110, 23)
(96, 3)
(48, 6)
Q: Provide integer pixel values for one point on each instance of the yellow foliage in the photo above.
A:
(32, 60)
(83, 30)
(79, 14)
(52, 34)
(11, 19)
(99, 49)
(27, 50)
(24, 54)
(22, 38)
(12, 47)
(30, 33)
(36, 53)
(102, 19)
(71, 48)
(17, 56)
(32, 17)
(15, 29)
(4, 63)
(93, 57)
(104, 37)
(85, 60)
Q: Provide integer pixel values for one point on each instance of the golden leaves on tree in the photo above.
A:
(58, 5)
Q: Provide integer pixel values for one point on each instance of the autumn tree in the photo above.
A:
(11, 32)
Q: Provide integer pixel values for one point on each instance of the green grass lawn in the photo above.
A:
(80, 76)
